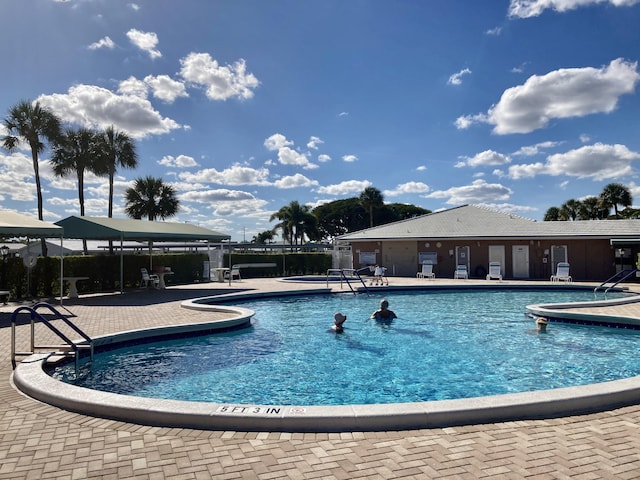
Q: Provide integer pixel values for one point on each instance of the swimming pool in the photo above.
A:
(447, 344)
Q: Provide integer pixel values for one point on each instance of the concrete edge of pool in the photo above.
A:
(30, 378)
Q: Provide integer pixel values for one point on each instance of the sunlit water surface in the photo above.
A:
(445, 344)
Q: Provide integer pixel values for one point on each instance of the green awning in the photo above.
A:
(102, 228)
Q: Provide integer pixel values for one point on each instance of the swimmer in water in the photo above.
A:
(384, 314)
(338, 322)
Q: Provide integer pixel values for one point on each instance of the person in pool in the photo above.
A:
(384, 314)
(338, 322)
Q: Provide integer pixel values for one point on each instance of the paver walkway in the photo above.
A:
(42, 442)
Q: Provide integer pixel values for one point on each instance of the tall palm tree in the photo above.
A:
(34, 125)
(75, 153)
(150, 197)
(371, 198)
(296, 221)
(615, 194)
(118, 150)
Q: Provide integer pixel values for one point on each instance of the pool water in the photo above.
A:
(445, 344)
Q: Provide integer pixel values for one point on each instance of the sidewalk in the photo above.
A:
(39, 441)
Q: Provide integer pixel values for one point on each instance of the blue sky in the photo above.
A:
(245, 106)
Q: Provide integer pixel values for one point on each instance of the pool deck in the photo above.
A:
(41, 441)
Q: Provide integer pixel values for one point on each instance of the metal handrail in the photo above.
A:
(35, 315)
(629, 272)
(341, 272)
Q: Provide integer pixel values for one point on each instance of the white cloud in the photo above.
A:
(286, 154)
(221, 82)
(314, 142)
(533, 8)
(478, 192)
(564, 93)
(456, 78)
(276, 142)
(494, 31)
(133, 86)
(486, 158)
(345, 188)
(134, 6)
(97, 107)
(531, 150)
(146, 41)
(234, 175)
(295, 181)
(105, 42)
(407, 188)
(165, 88)
(349, 158)
(323, 158)
(181, 161)
(598, 162)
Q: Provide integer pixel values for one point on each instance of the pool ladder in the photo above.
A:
(69, 348)
(623, 274)
(342, 273)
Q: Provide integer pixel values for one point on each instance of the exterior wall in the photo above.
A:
(591, 260)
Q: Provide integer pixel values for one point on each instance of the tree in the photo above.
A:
(592, 209)
(263, 237)
(117, 150)
(34, 125)
(371, 198)
(75, 153)
(296, 221)
(615, 194)
(552, 214)
(150, 197)
(570, 209)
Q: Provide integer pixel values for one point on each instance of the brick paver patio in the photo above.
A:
(38, 441)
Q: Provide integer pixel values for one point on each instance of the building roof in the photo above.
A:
(14, 224)
(470, 221)
(102, 228)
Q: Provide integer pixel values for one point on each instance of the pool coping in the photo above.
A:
(30, 377)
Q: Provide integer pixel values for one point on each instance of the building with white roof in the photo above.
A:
(474, 236)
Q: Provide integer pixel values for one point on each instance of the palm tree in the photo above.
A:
(615, 194)
(75, 152)
(371, 198)
(263, 237)
(117, 150)
(296, 221)
(34, 125)
(150, 197)
(591, 209)
(570, 209)
(552, 214)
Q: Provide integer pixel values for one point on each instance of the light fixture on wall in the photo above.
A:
(427, 244)
(438, 244)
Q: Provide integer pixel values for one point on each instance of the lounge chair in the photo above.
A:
(562, 273)
(149, 279)
(427, 271)
(234, 273)
(494, 271)
(461, 272)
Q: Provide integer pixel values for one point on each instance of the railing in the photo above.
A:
(623, 274)
(352, 272)
(69, 344)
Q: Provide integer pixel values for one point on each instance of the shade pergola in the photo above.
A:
(121, 229)
(13, 224)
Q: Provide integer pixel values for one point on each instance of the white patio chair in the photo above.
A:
(234, 272)
(461, 272)
(427, 271)
(495, 271)
(562, 273)
(149, 279)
